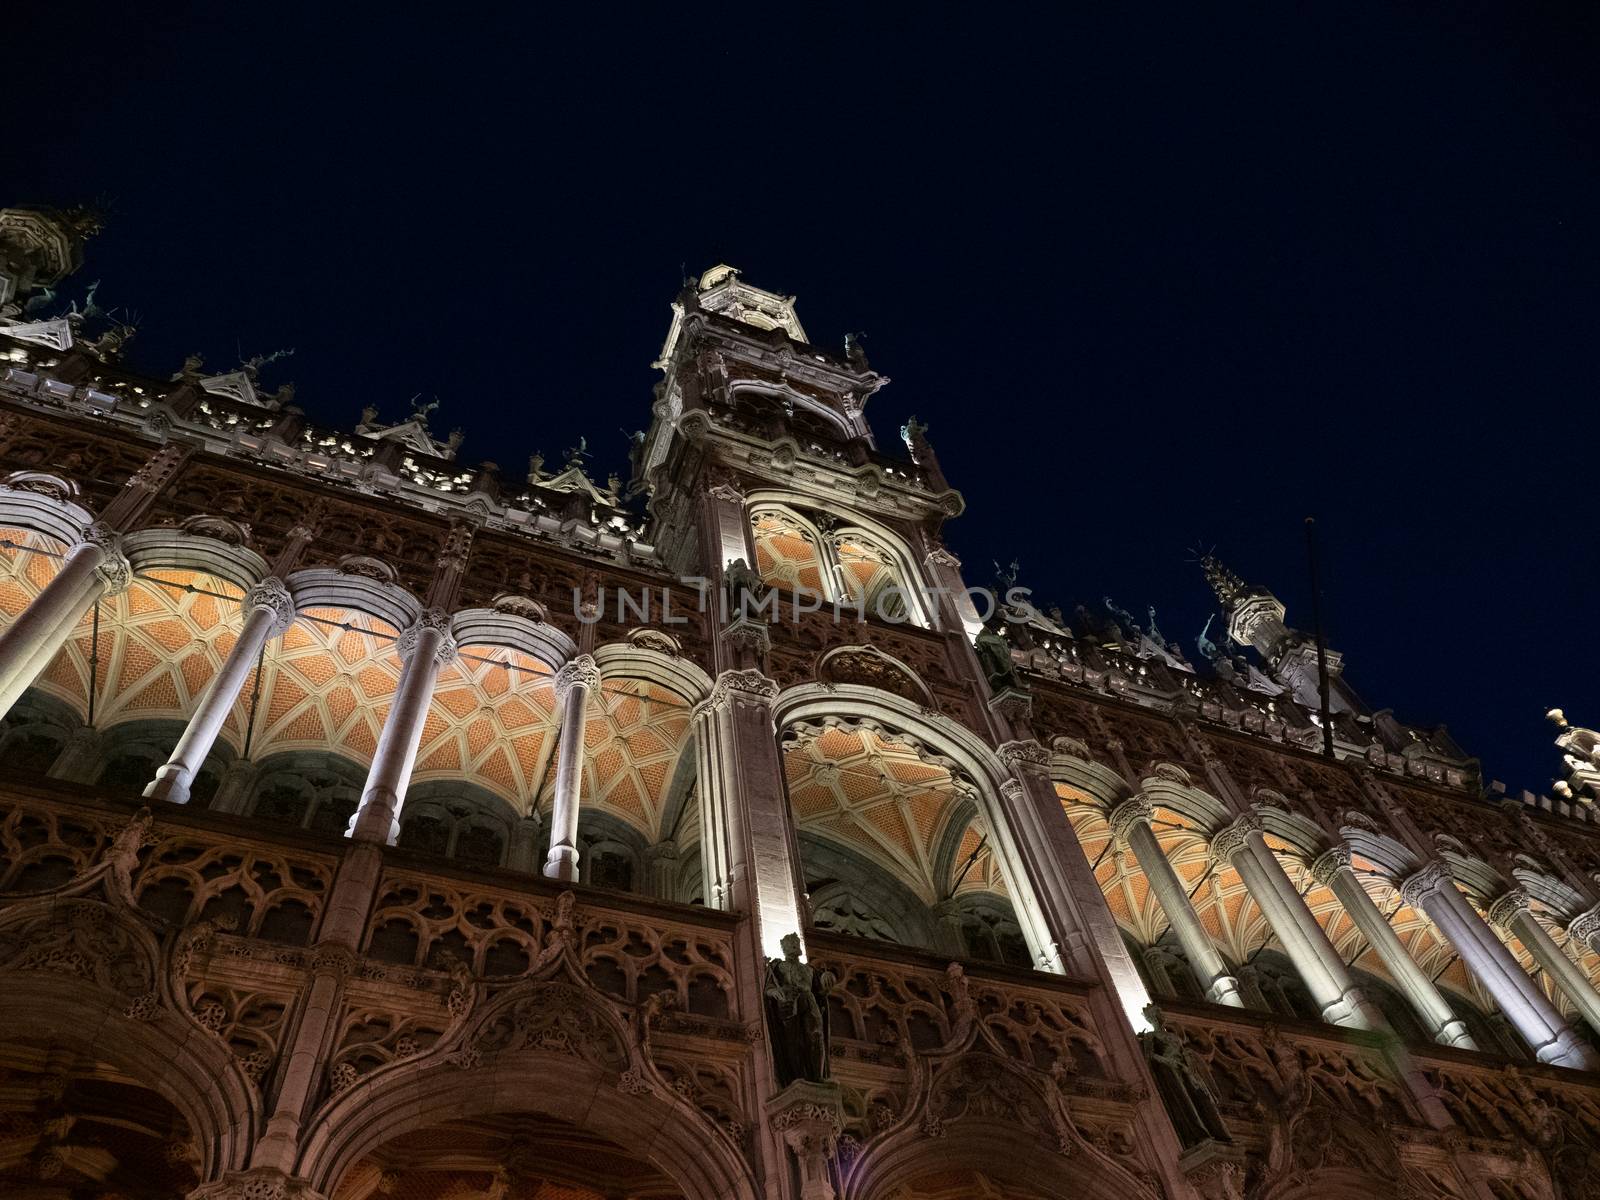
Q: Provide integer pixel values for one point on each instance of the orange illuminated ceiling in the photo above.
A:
(878, 797)
(786, 555)
(635, 733)
(327, 684)
(1232, 918)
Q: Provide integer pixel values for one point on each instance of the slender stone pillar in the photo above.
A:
(574, 682)
(1130, 824)
(1333, 871)
(233, 790)
(523, 854)
(424, 648)
(92, 568)
(268, 611)
(750, 863)
(1511, 913)
(1432, 891)
(1326, 977)
(661, 863)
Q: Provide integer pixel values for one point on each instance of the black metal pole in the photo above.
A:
(1322, 644)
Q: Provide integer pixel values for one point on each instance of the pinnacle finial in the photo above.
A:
(1227, 586)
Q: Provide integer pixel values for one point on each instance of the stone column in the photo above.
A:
(268, 611)
(661, 865)
(523, 854)
(79, 759)
(1326, 977)
(1333, 871)
(1511, 913)
(424, 648)
(574, 682)
(92, 568)
(1432, 891)
(233, 792)
(744, 814)
(1130, 824)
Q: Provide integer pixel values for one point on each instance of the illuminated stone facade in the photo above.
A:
(362, 835)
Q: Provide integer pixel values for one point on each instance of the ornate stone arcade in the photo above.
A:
(355, 841)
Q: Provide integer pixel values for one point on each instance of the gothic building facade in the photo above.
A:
(375, 826)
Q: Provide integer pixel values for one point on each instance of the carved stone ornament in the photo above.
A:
(581, 671)
(368, 568)
(1505, 909)
(809, 1117)
(258, 1183)
(738, 687)
(520, 606)
(273, 595)
(430, 620)
(1329, 863)
(220, 529)
(654, 639)
(870, 667)
(1585, 927)
(1230, 840)
(1422, 884)
(114, 567)
(1026, 755)
(41, 483)
(1070, 746)
(1129, 813)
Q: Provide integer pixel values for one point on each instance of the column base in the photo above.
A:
(169, 785)
(1567, 1050)
(1224, 989)
(1454, 1033)
(562, 864)
(375, 822)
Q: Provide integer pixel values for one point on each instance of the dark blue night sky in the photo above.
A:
(1154, 278)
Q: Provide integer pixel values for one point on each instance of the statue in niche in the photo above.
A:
(797, 1015)
(994, 656)
(1183, 1081)
(743, 585)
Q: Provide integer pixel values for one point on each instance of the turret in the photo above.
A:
(1255, 618)
(39, 247)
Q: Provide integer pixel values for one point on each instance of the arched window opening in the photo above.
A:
(33, 734)
(458, 822)
(789, 557)
(873, 577)
(1273, 985)
(307, 790)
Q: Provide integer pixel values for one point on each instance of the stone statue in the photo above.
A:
(854, 353)
(743, 585)
(193, 368)
(123, 853)
(994, 656)
(797, 1015)
(1209, 650)
(1181, 1078)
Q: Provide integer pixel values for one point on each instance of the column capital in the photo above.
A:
(662, 851)
(1230, 839)
(1129, 813)
(1504, 910)
(736, 687)
(437, 621)
(1329, 863)
(1585, 927)
(1026, 755)
(1428, 881)
(114, 567)
(575, 672)
(272, 594)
